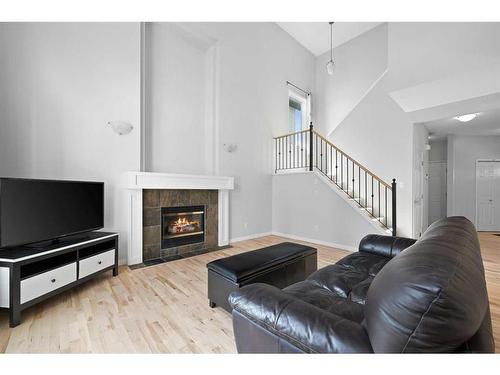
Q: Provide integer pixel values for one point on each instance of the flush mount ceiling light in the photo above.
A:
(466, 118)
(330, 65)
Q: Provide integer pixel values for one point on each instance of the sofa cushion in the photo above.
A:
(340, 288)
(310, 292)
(387, 246)
(350, 274)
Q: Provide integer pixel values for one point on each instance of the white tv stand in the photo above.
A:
(29, 275)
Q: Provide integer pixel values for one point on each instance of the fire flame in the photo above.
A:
(182, 221)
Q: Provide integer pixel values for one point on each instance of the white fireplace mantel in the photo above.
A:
(136, 182)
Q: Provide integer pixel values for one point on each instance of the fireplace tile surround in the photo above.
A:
(155, 199)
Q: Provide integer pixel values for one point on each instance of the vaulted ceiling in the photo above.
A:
(315, 36)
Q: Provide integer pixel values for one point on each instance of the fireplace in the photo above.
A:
(182, 225)
(178, 223)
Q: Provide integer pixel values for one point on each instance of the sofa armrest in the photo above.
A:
(388, 246)
(301, 324)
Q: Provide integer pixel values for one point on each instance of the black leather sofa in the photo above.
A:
(393, 296)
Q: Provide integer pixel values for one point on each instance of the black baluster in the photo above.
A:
(285, 152)
(336, 167)
(373, 207)
(347, 171)
(302, 150)
(321, 154)
(316, 141)
(279, 152)
(342, 171)
(378, 200)
(393, 194)
(385, 213)
(331, 162)
(290, 147)
(359, 184)
(326, 159)
(353, 180)
(366, 191)
(311, 146)
(276, 155)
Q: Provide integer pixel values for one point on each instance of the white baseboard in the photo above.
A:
(318, 242)
(249, 237)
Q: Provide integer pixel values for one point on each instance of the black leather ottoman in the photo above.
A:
(278, 265)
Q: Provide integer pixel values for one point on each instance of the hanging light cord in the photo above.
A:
(331, 41)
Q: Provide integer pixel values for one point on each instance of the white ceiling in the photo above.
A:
(486, 123)
(315, 36)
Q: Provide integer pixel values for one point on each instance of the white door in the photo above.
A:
(437, 190)
(488, 195)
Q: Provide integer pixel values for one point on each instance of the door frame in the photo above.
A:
(475, 188)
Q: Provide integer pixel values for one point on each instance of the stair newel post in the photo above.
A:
(394, 223)
(311, 146)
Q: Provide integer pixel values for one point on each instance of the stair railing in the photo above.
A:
(308, 149)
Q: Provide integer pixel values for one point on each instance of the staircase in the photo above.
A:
(309, 150)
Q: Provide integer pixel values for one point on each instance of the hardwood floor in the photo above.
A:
(163, 309)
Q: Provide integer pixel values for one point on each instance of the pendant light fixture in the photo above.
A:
(330, 65)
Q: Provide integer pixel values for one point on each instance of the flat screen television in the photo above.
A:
(34, 211)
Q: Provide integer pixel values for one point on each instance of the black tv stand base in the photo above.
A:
(29, 275)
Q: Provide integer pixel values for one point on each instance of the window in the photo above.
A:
(298, 111)
(295, 115)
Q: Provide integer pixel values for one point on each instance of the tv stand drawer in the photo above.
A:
(46, 282)
(95, 263)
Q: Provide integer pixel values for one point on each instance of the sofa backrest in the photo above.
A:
(432, 297)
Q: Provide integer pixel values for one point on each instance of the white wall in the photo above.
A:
(176, 99)
(427, 51)
(254, 61)
(462, 155)
(358, 65)
(60, 83)
(304, 205)
(439, 150)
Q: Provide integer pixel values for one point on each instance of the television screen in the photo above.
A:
(39, 210)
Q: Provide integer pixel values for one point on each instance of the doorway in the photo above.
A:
(488, 195)
(437, 190)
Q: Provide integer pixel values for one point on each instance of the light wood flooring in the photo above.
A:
(163, 309)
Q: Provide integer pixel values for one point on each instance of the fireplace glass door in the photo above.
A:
(182, 225)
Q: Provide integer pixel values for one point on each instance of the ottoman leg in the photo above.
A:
(211, 304)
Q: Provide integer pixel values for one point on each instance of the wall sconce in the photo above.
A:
(121, 127)
(230, 147)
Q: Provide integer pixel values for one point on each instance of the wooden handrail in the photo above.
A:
(352, 160)
(290, 134)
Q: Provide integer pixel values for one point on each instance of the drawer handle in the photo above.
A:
(53, 280)
(100, 262)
